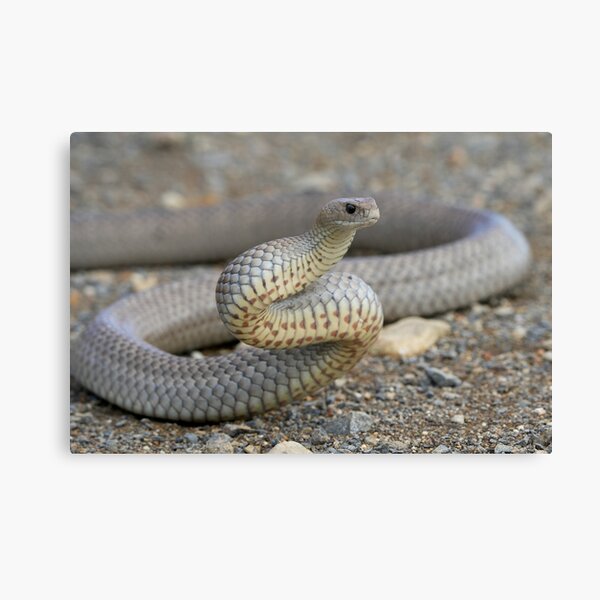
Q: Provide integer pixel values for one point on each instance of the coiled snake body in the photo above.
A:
(308, 316)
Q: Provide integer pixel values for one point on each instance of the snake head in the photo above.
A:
(349, 213)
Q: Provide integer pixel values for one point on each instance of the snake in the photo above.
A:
(305, 313)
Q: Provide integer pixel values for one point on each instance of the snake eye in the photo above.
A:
(350, 208)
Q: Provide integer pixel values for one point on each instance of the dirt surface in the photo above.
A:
(495, 394)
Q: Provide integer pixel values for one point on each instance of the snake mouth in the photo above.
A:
(367, 222)
(355, 225)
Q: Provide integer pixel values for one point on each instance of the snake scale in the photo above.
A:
(307, 315)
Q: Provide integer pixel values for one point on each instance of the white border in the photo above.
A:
(368, 527)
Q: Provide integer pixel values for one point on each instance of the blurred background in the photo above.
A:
(507, 172)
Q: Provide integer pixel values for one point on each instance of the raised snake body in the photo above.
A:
(306, 323)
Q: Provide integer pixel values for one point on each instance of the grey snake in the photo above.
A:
(308, 315)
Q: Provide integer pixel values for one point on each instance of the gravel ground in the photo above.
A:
(485, 388)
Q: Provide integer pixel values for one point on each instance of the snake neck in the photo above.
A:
(256, 281)
(327, 245)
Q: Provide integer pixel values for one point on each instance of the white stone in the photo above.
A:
(409, 337)
(289, 448)
(173, 200)
(141, 282)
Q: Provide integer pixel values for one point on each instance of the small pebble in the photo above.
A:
(219, 443)
(289, 448)
(173, 200)
(360, 421)
(192, 438)
(110, 444)
(141, 282)
(319, 436)
(355, 422)
(442, 378)
(409, 379)
(504, 311)
(441, 449)
(479, 309)
(398, 446)
(460, 419)
(518, 333)
(503, 449)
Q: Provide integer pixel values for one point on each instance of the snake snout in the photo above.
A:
(367, 212)
(372, 213)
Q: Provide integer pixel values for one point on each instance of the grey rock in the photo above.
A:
(503, 449)
(319, 436)
(360, 421)
(110, 444)
(460, 419)
(546, 435)
(339, 426)
(355, 422)
(397, 446)
(442, 378)
(542, 438)
(219, 443)
(350, 447)
(410, 379)
(441, 449)
(192, 438)
(387, 394)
